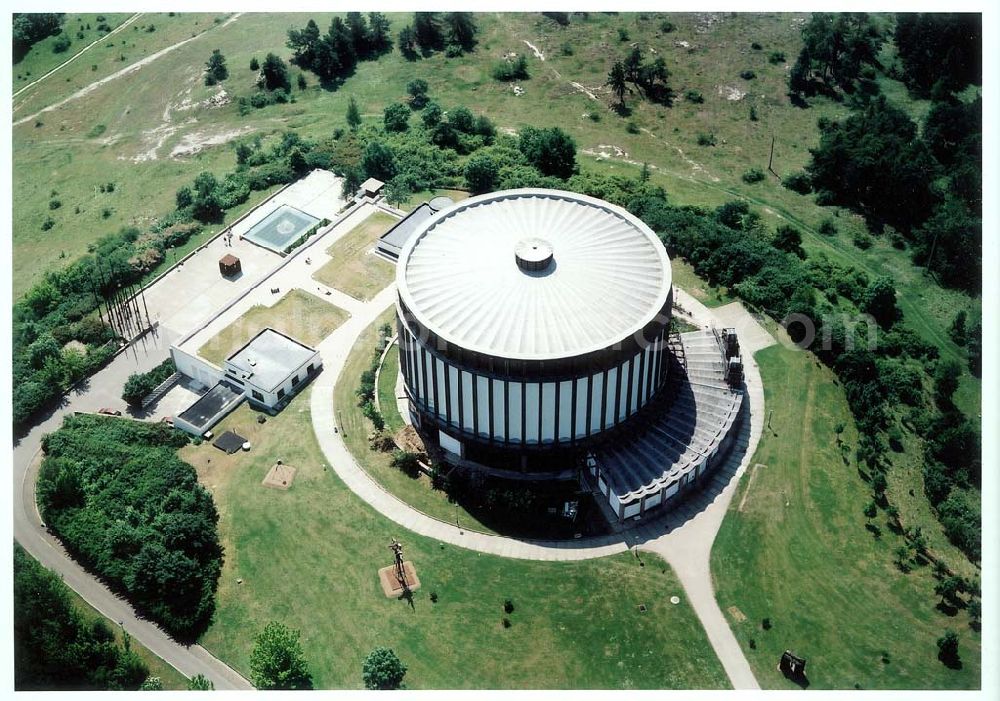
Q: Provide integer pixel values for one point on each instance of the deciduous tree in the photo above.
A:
(277, 662)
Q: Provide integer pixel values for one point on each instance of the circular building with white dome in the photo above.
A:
(531, 319)
(535, 337)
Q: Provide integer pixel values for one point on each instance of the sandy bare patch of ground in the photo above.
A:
(154, 139)
(586, 91)
(695, 166)
(194, 142)
(731, 93)
(737, 615)
(538, 54)
(280, 476)
(609, 151)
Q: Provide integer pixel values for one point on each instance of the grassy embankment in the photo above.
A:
(794, 549)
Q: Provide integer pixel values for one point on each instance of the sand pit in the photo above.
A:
(279, 477)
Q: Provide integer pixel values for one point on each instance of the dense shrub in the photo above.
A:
(55, 648)
(28, 28)
(511, 69)
(874, 162)
(798, 182)
(939, 49)
(126, 507)
(139, 385)
(754, 175)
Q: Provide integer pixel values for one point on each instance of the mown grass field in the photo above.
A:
(309, 556)
(354, 267)
(793, 548)
(171, 678)
(355, 428)
(387, 390)
(149, 113)
(299, 314)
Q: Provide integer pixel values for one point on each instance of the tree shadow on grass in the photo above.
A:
(950, 661)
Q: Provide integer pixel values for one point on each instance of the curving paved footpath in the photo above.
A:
(683, 537)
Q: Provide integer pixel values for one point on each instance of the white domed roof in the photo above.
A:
(534, 274)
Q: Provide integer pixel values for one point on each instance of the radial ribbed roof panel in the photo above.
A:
(534, 274)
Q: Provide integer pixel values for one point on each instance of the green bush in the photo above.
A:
(382, 669)
(694, 96)
(127, 508)
(57, 648)
(706, 139)
(509, 70)
(61, 44)
(754, 175)
(747, 75)
(139, 385)
(799, 182)
(776, 57)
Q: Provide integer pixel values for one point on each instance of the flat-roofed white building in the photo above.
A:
(271, 367)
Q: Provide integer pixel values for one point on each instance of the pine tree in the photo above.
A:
(215, 68)
(617, 82)
(353, 114)
(461, 30)
(378, 27)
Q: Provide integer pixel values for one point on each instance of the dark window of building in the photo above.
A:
(311, 367)
(257, 395)
(281, 393)
(295, 380)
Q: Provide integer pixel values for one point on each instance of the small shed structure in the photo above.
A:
(229, 265)
(372, 188)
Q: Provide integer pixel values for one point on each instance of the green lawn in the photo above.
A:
(299, 314)
(354, 267)
(794, 548)
(387, 390)
(686, 279)
(418, 198)
(309, 556)
(171, 678)
(356, 427)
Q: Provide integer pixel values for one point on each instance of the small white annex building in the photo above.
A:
(267, 372)
(271, 367)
